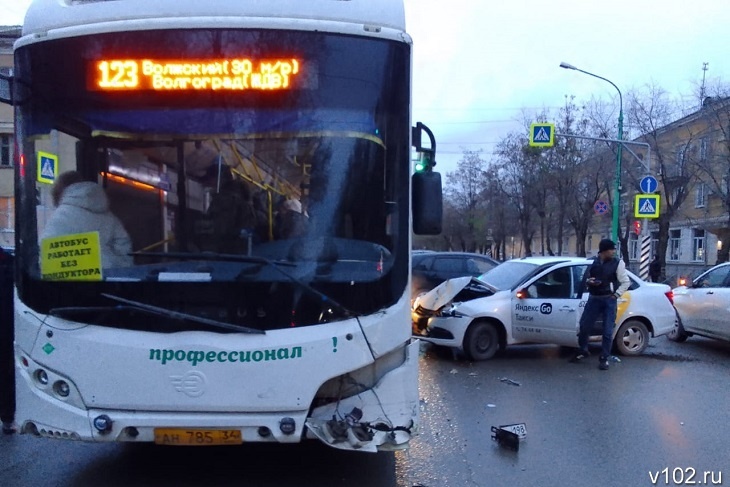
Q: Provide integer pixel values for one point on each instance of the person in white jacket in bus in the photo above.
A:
(83, 206)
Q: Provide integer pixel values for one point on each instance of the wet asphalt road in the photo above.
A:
(666, 409)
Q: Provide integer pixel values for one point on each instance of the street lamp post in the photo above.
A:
(617, 185)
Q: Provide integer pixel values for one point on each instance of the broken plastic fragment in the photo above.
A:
(506, 438)
(509, 381)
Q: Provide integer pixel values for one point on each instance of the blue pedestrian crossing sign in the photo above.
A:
(646, 206)
(47, 167)
(542, 134)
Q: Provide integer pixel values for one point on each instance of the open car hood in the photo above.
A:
(458, 289)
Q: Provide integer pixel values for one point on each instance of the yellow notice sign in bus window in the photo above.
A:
(71, 258)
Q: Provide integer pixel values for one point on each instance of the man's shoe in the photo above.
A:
(580, 355)
(603, 363)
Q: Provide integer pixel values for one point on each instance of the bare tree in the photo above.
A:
(652, 112)
(464, 191)
(519, 182)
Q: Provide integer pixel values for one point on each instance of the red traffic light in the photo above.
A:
(637, 227)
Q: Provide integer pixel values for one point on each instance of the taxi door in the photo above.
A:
(550, 311)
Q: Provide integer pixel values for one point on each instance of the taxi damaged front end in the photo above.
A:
(441, 315)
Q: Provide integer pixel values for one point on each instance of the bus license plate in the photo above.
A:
(196, 437)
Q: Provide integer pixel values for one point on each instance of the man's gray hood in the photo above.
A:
(87, 195)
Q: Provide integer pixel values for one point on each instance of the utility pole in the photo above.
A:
(702, 88)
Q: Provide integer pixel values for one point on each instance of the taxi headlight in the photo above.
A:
(449, 311)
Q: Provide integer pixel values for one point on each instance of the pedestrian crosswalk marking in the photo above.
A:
(542, 136)
(647, 207)
(47, 169)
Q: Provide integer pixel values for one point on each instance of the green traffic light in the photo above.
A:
(420, 167)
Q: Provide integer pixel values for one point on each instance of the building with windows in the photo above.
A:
(691, 161)
(8, 35)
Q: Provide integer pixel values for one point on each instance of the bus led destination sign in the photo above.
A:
(239, 74)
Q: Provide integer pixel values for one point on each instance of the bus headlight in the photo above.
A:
(41, 376)
(61, 388)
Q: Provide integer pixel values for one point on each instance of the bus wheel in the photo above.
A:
(481, 341)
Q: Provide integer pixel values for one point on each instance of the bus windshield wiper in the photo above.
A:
(183, 316)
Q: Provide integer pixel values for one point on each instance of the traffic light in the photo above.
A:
(637, 227)
(425, 163)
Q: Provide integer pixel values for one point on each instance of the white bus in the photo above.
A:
(215, 329)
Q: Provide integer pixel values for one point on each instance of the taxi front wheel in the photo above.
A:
(481, 341)
(632, 338)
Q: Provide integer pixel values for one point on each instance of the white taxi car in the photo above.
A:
(535, 300)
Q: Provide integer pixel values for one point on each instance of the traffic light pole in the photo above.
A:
(645, 237)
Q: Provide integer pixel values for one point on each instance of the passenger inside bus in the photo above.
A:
(83, 206)
(229, 223)
(291, 222)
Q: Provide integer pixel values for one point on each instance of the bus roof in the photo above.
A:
(45, 15)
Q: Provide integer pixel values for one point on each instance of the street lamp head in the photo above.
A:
(567, 66)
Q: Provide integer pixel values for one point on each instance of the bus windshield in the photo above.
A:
(253, 177)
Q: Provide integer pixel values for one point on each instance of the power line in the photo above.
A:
(442, 109)
(475, 121)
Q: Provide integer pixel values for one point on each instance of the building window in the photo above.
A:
(700, 195)
(6, 214)
(674, 238)
(680, 152)
(654, 243)
(698, 244)
(704, 149)
(589, 245)
(6, 150)
(633, 246)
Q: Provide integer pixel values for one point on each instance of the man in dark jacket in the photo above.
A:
(607, 281)
(655, 269)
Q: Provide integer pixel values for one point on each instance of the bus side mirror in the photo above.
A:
(6, 89)
(427, 203)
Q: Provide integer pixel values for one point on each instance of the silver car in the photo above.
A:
(704, 306)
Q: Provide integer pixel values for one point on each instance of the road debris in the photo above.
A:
(506, 438)
(509, 381)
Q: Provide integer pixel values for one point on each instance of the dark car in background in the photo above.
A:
(429, 269)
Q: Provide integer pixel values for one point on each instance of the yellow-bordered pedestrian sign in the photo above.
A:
(646, 206)
(47, 167)
(542, 134)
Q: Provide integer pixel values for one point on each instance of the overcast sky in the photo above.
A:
(478, 63)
